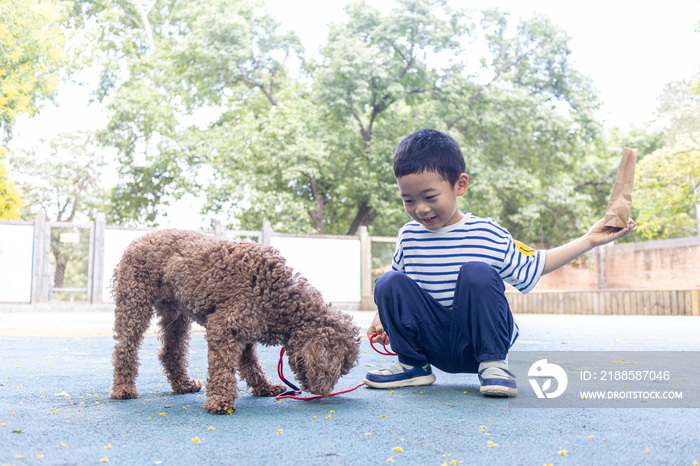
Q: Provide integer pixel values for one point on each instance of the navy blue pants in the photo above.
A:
(479, 326)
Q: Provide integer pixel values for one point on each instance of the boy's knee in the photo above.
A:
(388, 281)
(479, 274)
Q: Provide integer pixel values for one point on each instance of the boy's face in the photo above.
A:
(431, 200)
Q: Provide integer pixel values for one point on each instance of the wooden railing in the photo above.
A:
(684, 302)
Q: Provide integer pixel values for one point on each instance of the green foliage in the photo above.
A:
(175, 76)
(10, 197)
(31, 52)
(61, 178)
(668, 190)
(203, 101)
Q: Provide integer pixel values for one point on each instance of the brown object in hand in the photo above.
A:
(617, 215)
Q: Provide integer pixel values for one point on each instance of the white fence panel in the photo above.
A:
(331, 265)
(116, 242)
(16, 248)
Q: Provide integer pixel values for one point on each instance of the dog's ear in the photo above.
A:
(322, 365)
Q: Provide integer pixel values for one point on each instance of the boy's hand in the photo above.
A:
(599, 234)
(376, 327)
(596, 236)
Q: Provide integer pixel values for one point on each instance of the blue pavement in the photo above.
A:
(55, 407)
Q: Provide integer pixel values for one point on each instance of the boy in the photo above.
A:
(443, 303)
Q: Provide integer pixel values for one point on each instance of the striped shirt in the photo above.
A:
(433, 258)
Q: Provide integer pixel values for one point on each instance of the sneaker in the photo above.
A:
(497, 381)
(397, 375)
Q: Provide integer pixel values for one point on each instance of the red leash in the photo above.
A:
(296, 391)
(386, 350)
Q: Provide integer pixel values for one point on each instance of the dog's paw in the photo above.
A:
(272, 389)
(123, 393)
(188, 386)
(215, 406)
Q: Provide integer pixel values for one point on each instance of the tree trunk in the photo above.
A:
(365, 215)
(60, 272)
(317, 215)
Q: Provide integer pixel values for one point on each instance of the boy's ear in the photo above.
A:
(462, 184)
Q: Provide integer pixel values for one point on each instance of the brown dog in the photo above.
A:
(241, 293)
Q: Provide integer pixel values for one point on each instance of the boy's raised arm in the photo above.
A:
(598, 235)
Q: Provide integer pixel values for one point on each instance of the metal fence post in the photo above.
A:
(98, 259)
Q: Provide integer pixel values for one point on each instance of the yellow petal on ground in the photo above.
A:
(368, 434)
(648, 451)
(390, 460)
(19, 457)
(109, 445)
(563, 452)
(279, 431)
(212, 428)
(491, 444)
(104, 460)
(196, 440)
(398, 449)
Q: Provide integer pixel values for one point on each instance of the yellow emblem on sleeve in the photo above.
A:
(524, 249)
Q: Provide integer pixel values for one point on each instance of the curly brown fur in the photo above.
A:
(242, 294)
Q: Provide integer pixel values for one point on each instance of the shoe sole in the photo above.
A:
(422, 380)
(499, 391)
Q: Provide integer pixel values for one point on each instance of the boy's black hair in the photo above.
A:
(429, 150)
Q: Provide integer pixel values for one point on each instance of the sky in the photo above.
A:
(630, 50)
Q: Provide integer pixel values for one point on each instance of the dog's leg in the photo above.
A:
(175, 336)
(224, 354)
(131, 320)
(252, 372)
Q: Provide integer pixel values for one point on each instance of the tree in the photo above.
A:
(165, 66)
(31, 53)
(10, 198)
(210, 94)
(525, 122)
(62, 179)
(522, 115)
(372, 71)
(667, 191)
